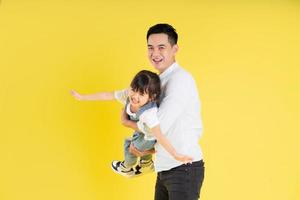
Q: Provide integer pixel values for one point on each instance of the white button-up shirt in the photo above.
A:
(179, 117)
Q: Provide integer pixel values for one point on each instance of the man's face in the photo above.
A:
(160, 52)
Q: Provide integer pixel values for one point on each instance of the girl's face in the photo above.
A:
(137, 99)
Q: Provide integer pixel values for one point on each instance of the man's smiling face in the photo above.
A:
(160, 51)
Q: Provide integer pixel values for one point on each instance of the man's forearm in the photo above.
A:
(130, 124)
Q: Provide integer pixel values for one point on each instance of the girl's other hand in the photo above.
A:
(76, 95)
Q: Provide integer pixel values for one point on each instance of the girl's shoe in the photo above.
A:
(118, 167)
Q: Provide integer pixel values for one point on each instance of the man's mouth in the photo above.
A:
(157, 61)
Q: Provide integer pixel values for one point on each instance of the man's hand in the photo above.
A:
(138, 153)
(126, 122)
(124, 118)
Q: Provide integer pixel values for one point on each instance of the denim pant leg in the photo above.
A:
(129, 158)
(141, 144)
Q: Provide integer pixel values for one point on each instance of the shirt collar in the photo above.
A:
(169, 70)
(128, 111)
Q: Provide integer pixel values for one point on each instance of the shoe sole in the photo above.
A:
(133, 175)
(117, 172)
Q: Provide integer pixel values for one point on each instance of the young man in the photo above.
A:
(180, 120)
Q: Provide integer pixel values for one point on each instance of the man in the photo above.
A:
(179, 117)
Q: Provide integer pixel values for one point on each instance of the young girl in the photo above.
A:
(140, 102)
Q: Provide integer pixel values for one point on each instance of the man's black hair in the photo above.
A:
(166, 29)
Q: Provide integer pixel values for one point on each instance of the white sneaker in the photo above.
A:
(144, 167)
(118, 167)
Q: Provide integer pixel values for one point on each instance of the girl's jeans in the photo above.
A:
(141, 144)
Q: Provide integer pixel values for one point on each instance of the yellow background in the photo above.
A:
(244, 57)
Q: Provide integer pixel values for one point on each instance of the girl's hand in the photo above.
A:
(183, 158)
(77, 96)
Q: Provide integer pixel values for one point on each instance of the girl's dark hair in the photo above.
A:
(147, 82)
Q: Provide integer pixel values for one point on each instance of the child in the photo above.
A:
(140, 105)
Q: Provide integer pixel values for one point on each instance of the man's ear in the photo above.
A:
(175, 48)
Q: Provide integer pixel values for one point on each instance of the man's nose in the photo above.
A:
(155, 52)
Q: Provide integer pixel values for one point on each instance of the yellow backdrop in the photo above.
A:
(244, 57)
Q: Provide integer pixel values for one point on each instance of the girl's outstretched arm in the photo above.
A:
(100, 96)
(162, 140)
